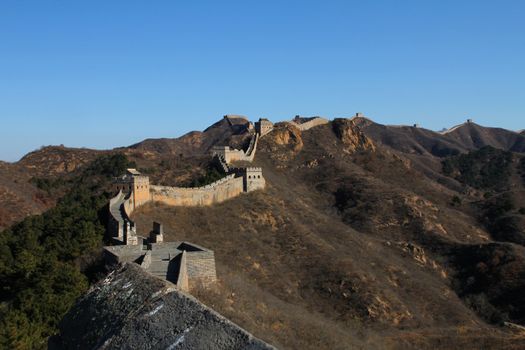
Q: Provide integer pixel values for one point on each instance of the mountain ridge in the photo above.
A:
(53, 161)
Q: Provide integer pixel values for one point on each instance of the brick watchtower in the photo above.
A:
(136, 184)
(263, 126)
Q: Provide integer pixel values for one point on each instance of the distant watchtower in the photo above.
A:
(253, 179)
(136, 184)
(263, 126)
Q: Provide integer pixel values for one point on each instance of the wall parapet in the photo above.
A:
(201, 268)
(182, 279)
(118, 219)
(128, 207)
(146, 260)
(189, 189)
(226, 188)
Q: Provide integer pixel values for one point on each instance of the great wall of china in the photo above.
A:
(304, 124)
(185, 264)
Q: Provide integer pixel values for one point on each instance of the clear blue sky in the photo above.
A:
(110, 73)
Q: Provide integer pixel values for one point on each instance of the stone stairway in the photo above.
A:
(224, 165)
(159, 267)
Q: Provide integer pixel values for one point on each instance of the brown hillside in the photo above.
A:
(18, 197)
(53, 161)
(474, 136)
(20, 194)
(351, 246)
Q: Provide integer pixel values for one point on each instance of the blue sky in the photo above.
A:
(102, 74)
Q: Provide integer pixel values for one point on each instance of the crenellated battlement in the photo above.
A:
(211, 186)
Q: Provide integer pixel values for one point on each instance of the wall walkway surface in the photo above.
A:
(201, 268)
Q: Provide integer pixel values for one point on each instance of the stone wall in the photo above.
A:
(146, 260)
(219, 191)
(128, 207)
(221, 162)
(201, 268)
(233, 155)
(141, 193)
(182, 280)
(137, 185)
(263, 126)
(253, 178)
(118, 254)
(116, 221)
(252, 148)
(120, 227)
(311, 123)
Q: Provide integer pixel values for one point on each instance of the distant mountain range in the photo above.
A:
(461, 138)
